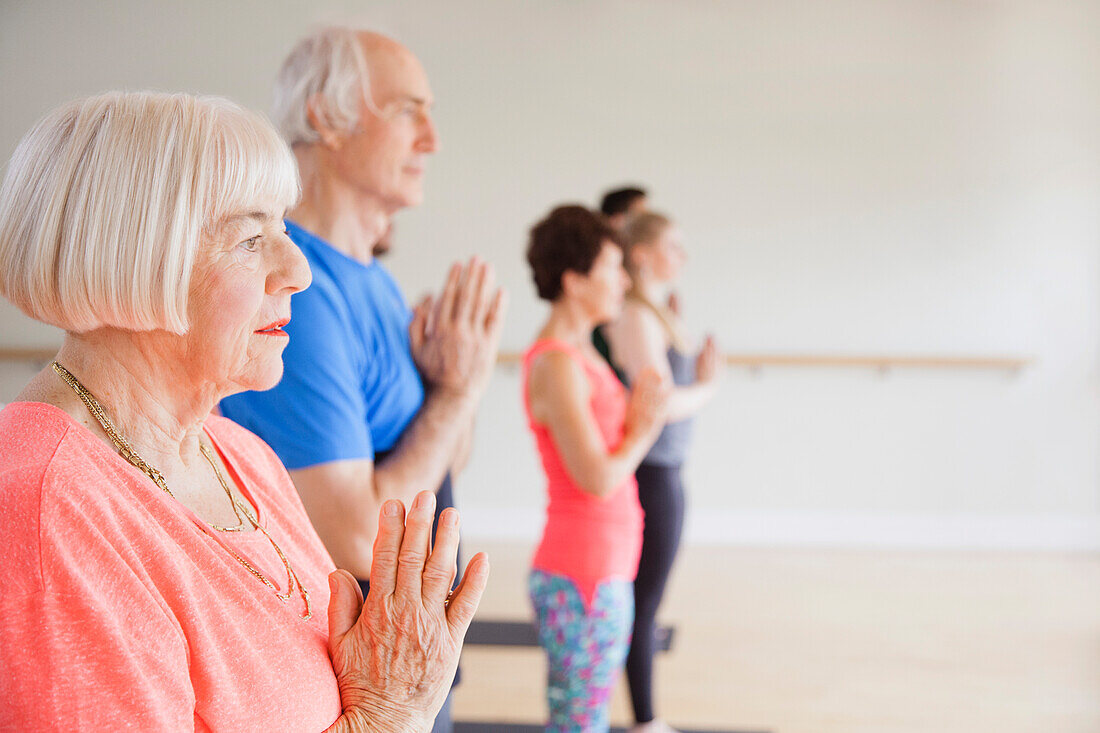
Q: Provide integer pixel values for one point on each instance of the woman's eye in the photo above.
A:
(251, 243)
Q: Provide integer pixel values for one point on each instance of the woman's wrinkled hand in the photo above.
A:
(395, 653)
(454, 339)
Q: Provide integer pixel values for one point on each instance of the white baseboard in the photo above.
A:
(1067, 533)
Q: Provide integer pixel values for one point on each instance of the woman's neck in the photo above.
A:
(569, 323)
(146, 393)
(650, 289)
(344, 217)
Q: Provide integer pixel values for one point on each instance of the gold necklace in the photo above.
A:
(128, 453)
(239, 506)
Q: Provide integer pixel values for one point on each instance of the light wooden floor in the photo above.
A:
(800, 641)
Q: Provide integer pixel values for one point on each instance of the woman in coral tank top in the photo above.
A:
(160, 570)
(591, 435)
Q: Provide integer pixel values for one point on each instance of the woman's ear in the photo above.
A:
(569, 282)
(319, 121)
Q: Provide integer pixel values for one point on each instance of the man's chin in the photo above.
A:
(412, 192)
(396, 203)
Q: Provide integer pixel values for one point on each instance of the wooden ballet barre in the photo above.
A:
(1012, 363)
(880, 362)
(752, 361)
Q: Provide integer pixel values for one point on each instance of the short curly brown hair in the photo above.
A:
(568, 239)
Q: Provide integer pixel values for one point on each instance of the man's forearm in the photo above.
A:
(427, 448)
(465, 448)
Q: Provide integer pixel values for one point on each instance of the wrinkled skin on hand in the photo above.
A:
(454, 340)
(395, 653)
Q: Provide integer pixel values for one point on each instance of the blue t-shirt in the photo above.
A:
(349, 386)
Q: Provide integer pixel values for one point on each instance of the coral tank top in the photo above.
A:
(121, 610)
(587, 538)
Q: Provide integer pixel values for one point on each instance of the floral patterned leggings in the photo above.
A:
(585, 647)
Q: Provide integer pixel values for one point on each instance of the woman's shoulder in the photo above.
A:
(637, 320)
(30, 435)
(635, 307)
(645, 315)
(39, 451)
(554, 360)
(543, 344)
(559, 375)
(642, 321)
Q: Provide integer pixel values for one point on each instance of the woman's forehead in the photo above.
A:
(260, 211)
(254, 216)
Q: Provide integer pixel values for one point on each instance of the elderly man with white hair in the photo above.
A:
(377, 401)
(160, 572)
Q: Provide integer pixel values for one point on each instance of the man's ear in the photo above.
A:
(317, 114)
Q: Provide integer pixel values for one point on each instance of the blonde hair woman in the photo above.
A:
(648, 335)
(160, 571)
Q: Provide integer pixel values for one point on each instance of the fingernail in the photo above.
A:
(390, 508)
(450, 518)
(421, 501)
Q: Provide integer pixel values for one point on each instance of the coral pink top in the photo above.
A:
(122, 610)
(587, 538)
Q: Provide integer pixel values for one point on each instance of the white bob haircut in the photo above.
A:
(329, 66)
(106, 199)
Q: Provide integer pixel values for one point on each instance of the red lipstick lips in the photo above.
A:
(274, 328)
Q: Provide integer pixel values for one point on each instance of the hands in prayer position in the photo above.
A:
(706, 362)
(395, 653)
(454, 339)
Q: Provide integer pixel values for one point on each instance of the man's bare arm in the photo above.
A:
(454, 342)
(342, 498)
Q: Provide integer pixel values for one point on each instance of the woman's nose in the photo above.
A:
(291, 272)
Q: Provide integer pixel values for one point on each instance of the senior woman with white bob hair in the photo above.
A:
(160, 572)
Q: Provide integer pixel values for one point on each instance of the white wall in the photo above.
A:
(910, 177)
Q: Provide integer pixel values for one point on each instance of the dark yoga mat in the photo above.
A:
(522, 633)
(527, 728)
